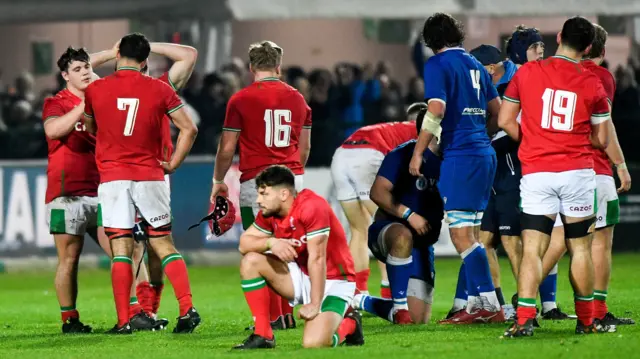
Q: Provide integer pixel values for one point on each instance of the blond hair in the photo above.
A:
(265, 55)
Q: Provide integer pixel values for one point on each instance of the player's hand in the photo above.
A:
(166, 166)
(625, 180)
(308, 311)
(418, 223)
(218, 188)
(116, 47)
(283, 249)
(414, 166)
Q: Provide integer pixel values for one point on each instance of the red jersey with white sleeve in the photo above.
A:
(310, 216)
(382, 137)
(71, 170)
(270, 116)
(167, 143)
(601, 163)
(560, 100)
(129, 109)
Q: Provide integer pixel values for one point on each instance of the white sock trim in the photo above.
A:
(554, 270)
(469, 250)
(394, 261)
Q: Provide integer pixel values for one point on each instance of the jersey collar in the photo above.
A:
(565, 58)
(267, 79)
(129, 68)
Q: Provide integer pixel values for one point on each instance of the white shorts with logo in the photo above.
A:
(353, 171)
(608, 211)
(333, 288)
(72, 215)
(120, 200)
(249, 194)
(571, 193)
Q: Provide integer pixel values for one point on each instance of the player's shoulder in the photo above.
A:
(311, 200)
(98, 83)
(58, 98)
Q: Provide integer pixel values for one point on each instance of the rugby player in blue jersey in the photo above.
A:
(461, 97)
(406, 225)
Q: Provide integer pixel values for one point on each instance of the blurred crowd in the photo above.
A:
(342, 100)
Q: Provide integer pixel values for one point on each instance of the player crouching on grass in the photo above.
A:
(309, 264)
(407, 224)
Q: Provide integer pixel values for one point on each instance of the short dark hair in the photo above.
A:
(599, 42)
(70, 55)
(276, 175)
(442, 30)
(577, 33)
(135, 46)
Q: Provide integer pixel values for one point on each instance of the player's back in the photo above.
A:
(459, 80)
(270, 116)
(559, 99)
(382, 137)
(129, 110)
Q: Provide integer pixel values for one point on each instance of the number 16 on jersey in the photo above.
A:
(277, 133)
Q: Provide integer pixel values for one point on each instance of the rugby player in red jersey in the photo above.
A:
(126, 111)
(354, 168)
(564, 112)
(72, 180)
(271, 122)
(309, 264)
(608, 210)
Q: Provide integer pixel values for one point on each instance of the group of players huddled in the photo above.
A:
(495, 171)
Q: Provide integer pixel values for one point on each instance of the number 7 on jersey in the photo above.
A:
(131, 106)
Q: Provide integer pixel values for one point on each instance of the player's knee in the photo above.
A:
(540, 223)
(580, 229)
(400, 242)
(309, 341)
(252, 260)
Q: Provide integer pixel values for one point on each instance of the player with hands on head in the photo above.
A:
(126, 111)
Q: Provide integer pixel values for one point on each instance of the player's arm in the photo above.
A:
(305, 136)
(58, 124)
(228, 142)
(255, 239)
(89, 120)
(600, 116)
(186, 136)
(615, 154)
(305, 145)
(317, 265)
(99, 58)
(382, 195)
(436, 98)
(509, 110)
(316, 221)
(184, 60)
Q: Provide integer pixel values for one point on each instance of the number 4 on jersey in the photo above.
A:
(131, 106)
(277, 133)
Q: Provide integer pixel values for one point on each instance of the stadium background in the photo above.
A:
(331, 48)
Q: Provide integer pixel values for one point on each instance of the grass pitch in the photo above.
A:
(30, 323)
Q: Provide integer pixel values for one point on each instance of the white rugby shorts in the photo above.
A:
(353, 171)
(342, 289)
(119, 201)
(571, 193)
(72, 215)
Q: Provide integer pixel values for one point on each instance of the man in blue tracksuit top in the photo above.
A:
(459, 93)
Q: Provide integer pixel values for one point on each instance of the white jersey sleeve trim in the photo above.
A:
(600, 118)
(438, 100)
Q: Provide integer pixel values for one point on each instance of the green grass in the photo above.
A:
(30, 324)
